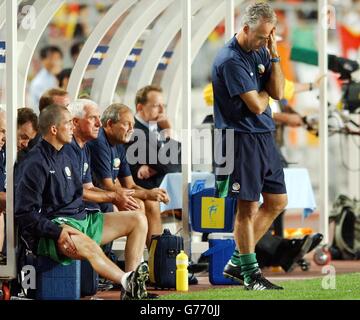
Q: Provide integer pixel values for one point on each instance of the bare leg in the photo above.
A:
(244, 226)
(88, 249)
(130, 224)
(152, 211)
(273, 205)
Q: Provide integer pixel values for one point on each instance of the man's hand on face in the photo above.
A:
(271, 45)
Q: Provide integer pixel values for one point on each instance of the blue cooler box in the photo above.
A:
(220, 251)
(211, 214)
(57, 282)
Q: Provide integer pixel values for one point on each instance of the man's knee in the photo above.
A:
(246, 210)
(141, 204)
(277, 205)
(140, 221)
(87, 247)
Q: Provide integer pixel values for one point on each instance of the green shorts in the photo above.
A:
(92, 226)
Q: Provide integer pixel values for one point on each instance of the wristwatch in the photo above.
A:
(276, 59)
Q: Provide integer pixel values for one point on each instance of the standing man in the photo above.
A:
(246, 72)
(52, 61)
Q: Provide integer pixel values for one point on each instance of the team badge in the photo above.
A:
(86, 166)
(236, 186)
(68, 171)
(261, 68)
(116, 163)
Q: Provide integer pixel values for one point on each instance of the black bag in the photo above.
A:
(162, 259)
(346, 214)
(89, 279)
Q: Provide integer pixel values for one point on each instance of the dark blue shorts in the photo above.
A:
(257, 167)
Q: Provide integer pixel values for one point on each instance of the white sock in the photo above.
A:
(124, 279)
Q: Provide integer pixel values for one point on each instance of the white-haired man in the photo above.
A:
(53, 219)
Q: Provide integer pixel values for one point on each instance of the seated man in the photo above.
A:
(111, 170)
(86, 122)
(54, 96)
(53, 221)
(27, 129)
(28, 136)
(152, 121)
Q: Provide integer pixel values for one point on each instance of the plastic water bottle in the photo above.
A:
(182, 262)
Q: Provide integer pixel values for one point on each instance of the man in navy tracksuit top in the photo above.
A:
(50, 211)
(245, 73)
(86, 121)
(111, 171)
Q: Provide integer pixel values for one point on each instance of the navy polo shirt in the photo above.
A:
(47, 186)
(3, 170)
(107, 161)
(235, 72)
(81, 159)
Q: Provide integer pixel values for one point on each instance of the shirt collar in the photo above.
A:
(49, 148)
(151, 126)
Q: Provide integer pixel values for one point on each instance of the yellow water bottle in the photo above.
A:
(182, 262)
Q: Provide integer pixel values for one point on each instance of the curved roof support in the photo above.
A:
(3, 13)
(107, 75)
(205, 21)
(165, 30)
(30, 39)
(82, 62)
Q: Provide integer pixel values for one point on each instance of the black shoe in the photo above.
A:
(316, 240)
(259, 282)
(233, 272)
(295, 251)
(198, 267)
(192, 279)
(135, 287)
(105, 285)
(152, 296)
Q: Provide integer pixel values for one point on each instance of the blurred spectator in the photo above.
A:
(63, 78)
(75, 50)
(52, 61)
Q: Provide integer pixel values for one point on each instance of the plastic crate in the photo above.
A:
(57, 282)
(221, 247)
(211, 214)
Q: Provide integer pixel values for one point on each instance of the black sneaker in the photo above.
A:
(233, 272)
(135, 287)
(259, 282)
(295, 251)
(316, 240)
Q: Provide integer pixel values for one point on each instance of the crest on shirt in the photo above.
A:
(116, 163)
(236, 186)
(68, 171)
(261, 68)
(86, 167)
